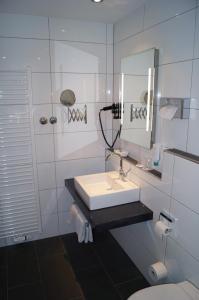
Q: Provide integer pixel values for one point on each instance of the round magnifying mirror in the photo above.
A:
(67, 98)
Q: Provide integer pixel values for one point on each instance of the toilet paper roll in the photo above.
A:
(161, 229)
(157, 271)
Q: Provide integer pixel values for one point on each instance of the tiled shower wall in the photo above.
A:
(62, 54)
(173, 28)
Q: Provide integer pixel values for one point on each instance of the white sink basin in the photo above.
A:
(105, 190)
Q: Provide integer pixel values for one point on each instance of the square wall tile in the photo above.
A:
(185, 183)
(41, 88)
(184, 231)
(196, 44)
(25, 26)
(194, 85)
(87, 87)
(91, 123)
(22, 53)
(39, 111)
(109, 33)
(174, 80)
(44, 148)
(70, 146)
(46, 176)
(64, 200)
(66, 224)
(72, 168)
(50, 225)
(180, 264)
(48, 202)
(78, 57)
(193, 141)
(130, 25)
(158, 11)
(79, 31)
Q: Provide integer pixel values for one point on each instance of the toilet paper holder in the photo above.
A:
(167, 216)
(183, 105)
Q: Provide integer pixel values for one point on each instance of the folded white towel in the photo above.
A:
(81, 225)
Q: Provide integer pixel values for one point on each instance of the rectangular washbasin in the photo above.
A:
(105, 190)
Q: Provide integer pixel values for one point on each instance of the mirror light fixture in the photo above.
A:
(97, 1)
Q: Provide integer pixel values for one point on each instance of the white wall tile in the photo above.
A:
(109, 33)
(41, 88)
(195, 87)
(69, 169)
(50, 225)
(173, 134)
(25, 26)
(64, 199)
(180, 264)
(78, 57)
(162, 37)
(21, 53)
(131, 25)
(65, 125)
(157, 11)
(42, 111)
(193, 141)
(154, 199)
(48, 202)
(66, 224)
(196, 45)
(46, 176)
(88, 144)
(80, 31)
(87, 87)
(44, 145)
(174, 80)
(185, 183)
(185, 228)
(109, 65)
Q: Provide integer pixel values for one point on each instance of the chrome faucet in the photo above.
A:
(121, 155)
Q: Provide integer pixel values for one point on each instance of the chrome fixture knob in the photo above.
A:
(43, 120)
(53, 120)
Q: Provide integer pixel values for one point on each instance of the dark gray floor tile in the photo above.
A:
(27, 292)
(59, 279)
(3, 284)
(96, 285)
(81, 255)
(127, 289)
(116, 262)
(21, 252)
(50, 246)
(23, 272)
(3, 257)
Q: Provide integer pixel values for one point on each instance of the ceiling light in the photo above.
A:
(97, 1)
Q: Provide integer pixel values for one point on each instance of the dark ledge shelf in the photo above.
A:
(111, 217)
(185, 155)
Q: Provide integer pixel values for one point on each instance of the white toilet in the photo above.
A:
(180, 291)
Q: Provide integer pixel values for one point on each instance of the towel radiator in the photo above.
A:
(19, 204)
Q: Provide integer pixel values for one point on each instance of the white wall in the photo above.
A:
(173, 28)
(177, 193)
(62, 54)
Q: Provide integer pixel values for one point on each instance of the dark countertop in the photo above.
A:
(111, 217)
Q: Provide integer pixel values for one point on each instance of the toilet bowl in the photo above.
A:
(180, 291)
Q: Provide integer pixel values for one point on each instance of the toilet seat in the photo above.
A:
(182, 291)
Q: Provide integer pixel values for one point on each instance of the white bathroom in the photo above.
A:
(99, 149)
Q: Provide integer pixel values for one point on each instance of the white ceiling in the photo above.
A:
(110, 11)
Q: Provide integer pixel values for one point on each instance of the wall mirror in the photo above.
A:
(138, 87)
